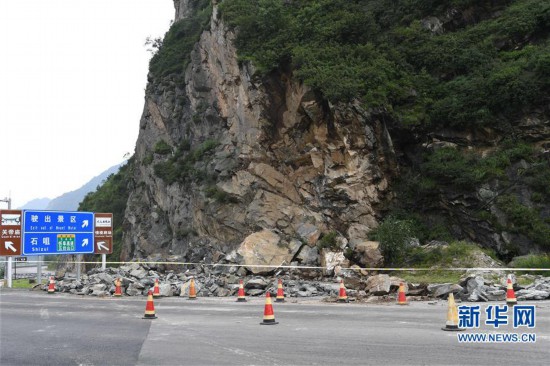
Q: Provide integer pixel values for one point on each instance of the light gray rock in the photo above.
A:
(256, 283)
(138, 273)
(474, 283)
(134, 289)
(330, 260)
(378, 285)
(165, 289)
(308, 256)
(444, 289)
(531, 294)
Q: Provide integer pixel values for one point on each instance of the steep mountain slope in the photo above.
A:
(283, 122)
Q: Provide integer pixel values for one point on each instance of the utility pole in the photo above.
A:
(7, 272)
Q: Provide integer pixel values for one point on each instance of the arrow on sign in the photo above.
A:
(9, 245)
(101, 245)
(84, 223)
(84, 242)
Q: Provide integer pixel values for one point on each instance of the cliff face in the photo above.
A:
(254, 154)
(227, 160)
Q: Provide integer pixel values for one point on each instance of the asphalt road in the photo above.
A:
(61, 329)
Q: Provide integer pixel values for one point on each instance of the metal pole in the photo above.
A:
(78, 260)
(103, 261)
(39, 269)
(9, 271)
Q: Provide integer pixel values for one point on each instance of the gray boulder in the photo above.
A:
(378, 285)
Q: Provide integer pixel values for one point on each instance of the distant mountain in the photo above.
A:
(69, 201)
(36, 204)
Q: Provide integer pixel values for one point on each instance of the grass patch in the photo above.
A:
(25, 283)
(437, 276)
(456, 254)
(533, 261)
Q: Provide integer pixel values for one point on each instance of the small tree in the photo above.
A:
(394, 235)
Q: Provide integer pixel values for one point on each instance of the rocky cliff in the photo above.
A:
(257, 167)
(223, 155)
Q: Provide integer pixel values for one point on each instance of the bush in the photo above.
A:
(162, 148)
(394, 235)
(328, 241)
(173, 55)
(533, 261)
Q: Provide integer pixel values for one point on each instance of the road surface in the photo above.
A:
(63, 329)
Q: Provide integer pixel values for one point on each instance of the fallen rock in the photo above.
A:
(264, 248)
(442, 290)
(531, 294)
(330, 260)
(378, 285)
(368, 254)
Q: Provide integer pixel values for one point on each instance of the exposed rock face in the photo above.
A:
(285, 162)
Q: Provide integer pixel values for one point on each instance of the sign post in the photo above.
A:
(103, 236)
(10, 238)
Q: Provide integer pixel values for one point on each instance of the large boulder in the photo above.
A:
(378, 285)
(308, 255)
(368, 254)
(264, 248)
(443, 290)
(308, 233)
(332, 262)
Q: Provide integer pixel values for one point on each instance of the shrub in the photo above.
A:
(533, 261)
(328, 241)
(393, 235)
(173, 55)
(162, 148)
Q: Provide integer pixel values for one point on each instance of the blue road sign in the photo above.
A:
(57, 232)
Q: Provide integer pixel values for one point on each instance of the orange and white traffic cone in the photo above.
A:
(192, 291)
(240, 295)
(510, 294)
(342, 296)
(452, 315)
(118, 289)
(401, 298)
(51, 286)
(269, 316)
(149, 307)
(280, 294)
(156, 290)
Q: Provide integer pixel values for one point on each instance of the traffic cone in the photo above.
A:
(342, 296)
(192, 291)
(452, 315)
(510, 294)
(118, 289)
(401, 298)
(51, 286)
(280, 294)
(269, 317)
(240, 295)
(149, 307)
(156, 291)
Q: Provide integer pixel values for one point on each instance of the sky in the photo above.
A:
(72, 80)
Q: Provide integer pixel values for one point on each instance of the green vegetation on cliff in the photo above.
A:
(428, 65)
(112, 197)
(172, 56)
(383, 53)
